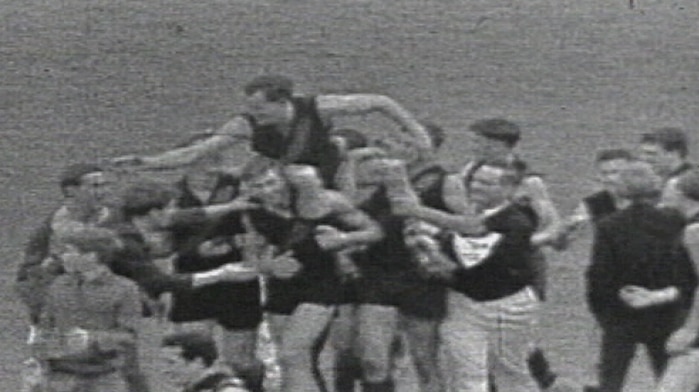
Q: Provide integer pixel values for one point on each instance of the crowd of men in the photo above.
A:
(366, 240)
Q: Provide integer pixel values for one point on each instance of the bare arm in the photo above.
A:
(549, 219)
(196, 215)
(231, 133)
(362, 229)
(356, 104)
(466, 224)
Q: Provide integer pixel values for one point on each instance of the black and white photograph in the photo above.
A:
(349, 196)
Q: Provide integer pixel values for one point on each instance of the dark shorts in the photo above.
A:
(235, 306)
(283, 296)
(411, 294)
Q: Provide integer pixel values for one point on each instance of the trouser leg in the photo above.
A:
(423, 341)
(510, 342)
(617, 351)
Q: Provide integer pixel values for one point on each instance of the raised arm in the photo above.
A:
(235, 131)
(356, 104)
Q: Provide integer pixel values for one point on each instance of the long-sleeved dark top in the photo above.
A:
(640, 246)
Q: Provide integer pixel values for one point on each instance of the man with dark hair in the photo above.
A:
(288, 128)
(495, 139)
(492, 307)
(639, 286)
(666, 149)
(608, 163)
(682, 194)
(82, 216)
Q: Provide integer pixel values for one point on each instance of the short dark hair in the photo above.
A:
(497, 129)
(669, 138)
(139, 199)
(194, 345)
(353, 137)
(73, 174)
(612, 154)
(275, 88)
(688, 184)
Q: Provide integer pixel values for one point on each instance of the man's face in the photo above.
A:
(608, 174)
(662, 161)
(485, 148)
(266, 112)
(93, 190)
(269, 188)
(487, 188)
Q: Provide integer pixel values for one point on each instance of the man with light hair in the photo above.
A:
(638, 277)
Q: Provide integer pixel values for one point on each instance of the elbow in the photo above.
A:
(384, 104)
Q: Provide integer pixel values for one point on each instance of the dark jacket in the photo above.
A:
(640, 246)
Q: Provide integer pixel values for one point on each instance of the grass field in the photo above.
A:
(81, 80)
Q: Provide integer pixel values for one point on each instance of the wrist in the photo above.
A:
(667, 295)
